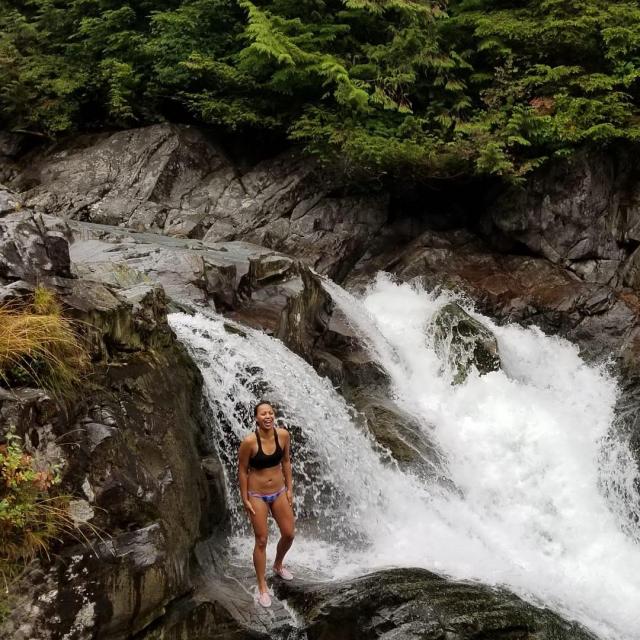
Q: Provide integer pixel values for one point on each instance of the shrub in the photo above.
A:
(38, 345)
(31, 518)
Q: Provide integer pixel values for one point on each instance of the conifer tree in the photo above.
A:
(384, 87)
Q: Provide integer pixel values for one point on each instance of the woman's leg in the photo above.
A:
(283, 514)
(261, 530)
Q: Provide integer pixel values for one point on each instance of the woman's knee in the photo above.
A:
(261, 541)
(288, 535)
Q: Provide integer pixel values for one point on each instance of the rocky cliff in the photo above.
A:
(128, 445)
(560, 252)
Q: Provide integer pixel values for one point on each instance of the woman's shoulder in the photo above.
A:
(250, 438)
(282, 433)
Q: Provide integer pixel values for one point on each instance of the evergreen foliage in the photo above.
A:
(385, 86)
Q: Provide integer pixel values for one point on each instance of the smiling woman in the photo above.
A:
(266, 485)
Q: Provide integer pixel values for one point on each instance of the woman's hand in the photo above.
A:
(290, 497)
(249, 507)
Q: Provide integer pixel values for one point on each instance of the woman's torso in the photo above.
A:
(264, 451)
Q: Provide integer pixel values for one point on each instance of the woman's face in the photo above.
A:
(265, 417)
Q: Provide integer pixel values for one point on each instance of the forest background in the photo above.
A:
(383, 87)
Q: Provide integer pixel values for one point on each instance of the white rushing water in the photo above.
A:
(545, 490)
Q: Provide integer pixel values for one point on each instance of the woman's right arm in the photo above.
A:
(243, 474)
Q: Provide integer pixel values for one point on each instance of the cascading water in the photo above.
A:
(530, 448)
(342, 476)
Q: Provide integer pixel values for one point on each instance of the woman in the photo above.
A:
(264, 471)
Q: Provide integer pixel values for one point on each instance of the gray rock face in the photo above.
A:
(173, 180)
(412, 604)
(464, 343)
(191, 272)
(28, 246)
(583, 213)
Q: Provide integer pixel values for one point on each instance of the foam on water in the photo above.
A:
(530, 447)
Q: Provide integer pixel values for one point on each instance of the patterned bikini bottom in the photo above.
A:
(269, 498)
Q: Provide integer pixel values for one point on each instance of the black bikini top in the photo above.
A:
(263, 461)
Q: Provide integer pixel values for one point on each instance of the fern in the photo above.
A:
(400, 86)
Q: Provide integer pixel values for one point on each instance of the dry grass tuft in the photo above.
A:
(38, 345)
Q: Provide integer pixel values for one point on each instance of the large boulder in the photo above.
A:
(413, 604)
(463, 343)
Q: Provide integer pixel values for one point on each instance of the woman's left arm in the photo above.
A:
(286, 467)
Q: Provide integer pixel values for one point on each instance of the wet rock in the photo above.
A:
(413, 604)
(339, 339)
(193, 618)
(304, 316)
(400, 433)
(464, 343)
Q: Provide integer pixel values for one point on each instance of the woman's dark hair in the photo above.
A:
(255, 409)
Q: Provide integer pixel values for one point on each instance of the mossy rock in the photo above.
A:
(414, 604)
(464, 343)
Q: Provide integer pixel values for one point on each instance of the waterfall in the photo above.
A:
(531, 449)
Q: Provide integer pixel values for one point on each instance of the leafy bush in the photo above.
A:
(38, 345)
(30, 517)
(384, 86)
